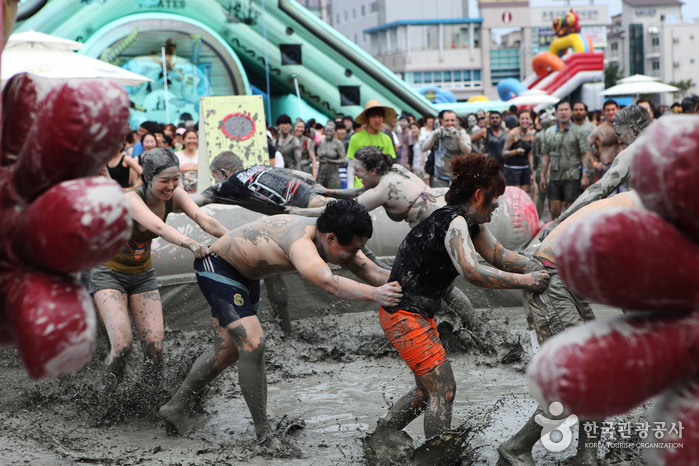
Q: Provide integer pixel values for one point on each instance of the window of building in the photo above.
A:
(346, 17)
(655, 41)
(427, 77)
(374, 7)
(614, 46)
(655, 65)
(457, 75)
(437, 75)
(417, 77)
(354, 13)
(355, 38)
(446, 76)
(363, 10)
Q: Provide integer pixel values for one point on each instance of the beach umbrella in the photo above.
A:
(52, 57)
(533, 97)
(35, 39)
(639, 84)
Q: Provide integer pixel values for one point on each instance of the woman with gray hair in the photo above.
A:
(331, 154)
(126, 284)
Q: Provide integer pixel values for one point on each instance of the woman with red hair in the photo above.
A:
(430, 257)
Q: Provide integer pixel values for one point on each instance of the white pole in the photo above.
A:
(167, 104)
(298, 96)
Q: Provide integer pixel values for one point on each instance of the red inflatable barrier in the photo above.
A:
(609, 367)
(54, 221)
(600, 246)
(679, 410)
(670, 185)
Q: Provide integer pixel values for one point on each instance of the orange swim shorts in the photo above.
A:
(416, 339)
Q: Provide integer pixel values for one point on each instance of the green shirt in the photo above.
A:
(566, 149)
(363, 139)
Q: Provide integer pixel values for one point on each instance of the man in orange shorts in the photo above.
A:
(430, 257)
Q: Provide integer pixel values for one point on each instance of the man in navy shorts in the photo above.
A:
(268, 246)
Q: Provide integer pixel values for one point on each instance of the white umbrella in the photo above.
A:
(54, 59)
(34, 39)
(533, 97)
(639, 84)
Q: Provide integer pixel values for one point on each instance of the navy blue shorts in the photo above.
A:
(517, 176)
(230, 295)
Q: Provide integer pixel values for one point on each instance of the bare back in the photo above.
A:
(404, 196)
(262, 248)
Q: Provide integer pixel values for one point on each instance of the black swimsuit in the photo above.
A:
(423, 266)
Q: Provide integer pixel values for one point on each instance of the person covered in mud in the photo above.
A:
(265, 189)
(430, 257)
(628, 123)
(268, 190)
(550, 312)
(126, 284)
(402, 194)
(230, 280)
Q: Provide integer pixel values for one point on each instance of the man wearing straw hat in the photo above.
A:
(373, 116)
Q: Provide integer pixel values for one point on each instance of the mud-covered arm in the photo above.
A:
(463, 255)
(496, 254)
(144, 216)
(304, 255)
(184, 202)
(617, 175)
(367, 270)
(430, 140)
(347, 193)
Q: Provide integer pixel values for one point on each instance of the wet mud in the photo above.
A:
(328, 383)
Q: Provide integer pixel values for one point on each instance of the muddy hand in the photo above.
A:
(200, 250)
(389, 294)
(541, 280)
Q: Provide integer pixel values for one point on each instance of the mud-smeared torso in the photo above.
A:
(423, 266)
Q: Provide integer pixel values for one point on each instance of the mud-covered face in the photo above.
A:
(299, 129)
(163, 185)
(625, 134)
(329, 132)
(337, 253)
(484, 212)
(370, 178)
(284, 128)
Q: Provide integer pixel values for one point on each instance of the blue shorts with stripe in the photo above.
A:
(230, 295)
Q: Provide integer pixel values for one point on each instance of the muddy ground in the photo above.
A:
(328, 383)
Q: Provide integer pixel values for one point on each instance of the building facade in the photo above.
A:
(649, 37)
(443, 44)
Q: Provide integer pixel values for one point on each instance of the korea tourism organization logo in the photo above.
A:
(556, 434)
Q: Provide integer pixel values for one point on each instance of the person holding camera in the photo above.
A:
(446, 141)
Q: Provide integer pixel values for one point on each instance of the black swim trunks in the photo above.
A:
(230, 295)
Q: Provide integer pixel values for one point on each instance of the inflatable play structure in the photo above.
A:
(570, 62)
(221, 47)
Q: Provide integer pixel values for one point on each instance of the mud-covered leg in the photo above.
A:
(588, 439)
(249, 338)
(206, 368)
(112, 306)
(279, 300)
(439, 383)
(147, 311)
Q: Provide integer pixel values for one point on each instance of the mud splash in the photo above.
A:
(329, 382)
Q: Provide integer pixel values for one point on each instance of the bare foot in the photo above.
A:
(176, 418)
(510, 457)
(276, 447)
(387, 445)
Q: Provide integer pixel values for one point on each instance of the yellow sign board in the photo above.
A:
(231, 123)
